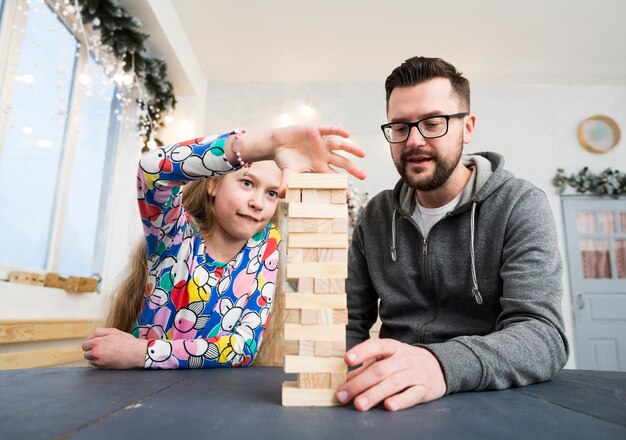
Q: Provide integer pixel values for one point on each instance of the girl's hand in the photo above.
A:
(111, 348)
(298, 149)
(313, 149)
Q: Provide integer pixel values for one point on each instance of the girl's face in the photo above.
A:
(243, 205)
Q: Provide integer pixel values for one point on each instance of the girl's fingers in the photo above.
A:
(333, 131)
(345, 163)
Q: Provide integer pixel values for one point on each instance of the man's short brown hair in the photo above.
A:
(417, 70)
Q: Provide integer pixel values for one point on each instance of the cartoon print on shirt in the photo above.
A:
(197, 313)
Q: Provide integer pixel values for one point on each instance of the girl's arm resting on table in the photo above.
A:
(110, 348)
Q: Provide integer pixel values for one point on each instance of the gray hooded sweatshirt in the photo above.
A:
(482, 292)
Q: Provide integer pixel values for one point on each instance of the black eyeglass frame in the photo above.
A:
(416, 125)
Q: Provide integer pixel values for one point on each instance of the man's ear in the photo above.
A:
(468, 128)
(211, 186)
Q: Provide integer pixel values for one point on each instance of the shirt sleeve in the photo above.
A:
(160, 176)
(529, 344)
(235, 340)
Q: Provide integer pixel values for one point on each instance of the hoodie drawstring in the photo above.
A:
(475, 292)
(477, 296)
(393, 236)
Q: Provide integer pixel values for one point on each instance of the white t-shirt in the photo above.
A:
(430, 216)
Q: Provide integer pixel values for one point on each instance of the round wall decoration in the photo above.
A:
(598, 134)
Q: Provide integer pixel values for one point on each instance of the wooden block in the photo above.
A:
(313, 364)
(336, 285)
(303, 240)
(338, 317)
(321, 285)
(338, 196)
(299, 300)
(337, 349)
(325, 316)
(331, 332)
(314, 380)
(337, 380)
(310, 255)
(318, 210)
(310, 225)
(71, 284)
(308, 316)
(322, 349)
(293, 195)
(294, 396)
(32, 331)
(292, 316)
(30, 278)
(295, 255)
(318, 180)
(313, 270)
(306, 348)
(291, 347)
(330, 349)
(306, 285)
(340, 225)
(316, 195)
(339, 255)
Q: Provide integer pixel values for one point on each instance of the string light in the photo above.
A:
(306, 110)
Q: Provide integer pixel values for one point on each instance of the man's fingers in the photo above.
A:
(406, 399)
(370, 349)
(367, 377)
(390, 383)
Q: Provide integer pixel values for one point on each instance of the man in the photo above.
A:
(460, 260)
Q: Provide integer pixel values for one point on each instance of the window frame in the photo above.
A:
(12, 20)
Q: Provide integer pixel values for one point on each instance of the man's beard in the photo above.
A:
(443, 170)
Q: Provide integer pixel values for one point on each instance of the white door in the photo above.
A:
(595, 230)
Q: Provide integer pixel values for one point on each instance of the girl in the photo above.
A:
(201, 288)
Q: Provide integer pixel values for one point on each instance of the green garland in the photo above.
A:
(119, 32)
(609, 182)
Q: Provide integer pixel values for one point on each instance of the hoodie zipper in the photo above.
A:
(426, 277)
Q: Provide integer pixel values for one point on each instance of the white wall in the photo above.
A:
(532, 126)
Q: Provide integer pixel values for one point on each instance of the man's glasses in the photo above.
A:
(430, 128)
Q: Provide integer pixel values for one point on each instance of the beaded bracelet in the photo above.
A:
(235, 147)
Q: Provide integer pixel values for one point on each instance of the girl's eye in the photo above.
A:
(246, 183)
(273, 194)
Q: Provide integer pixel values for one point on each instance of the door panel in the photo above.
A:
(595, 230)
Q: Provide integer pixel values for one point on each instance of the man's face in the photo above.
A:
(426, 164)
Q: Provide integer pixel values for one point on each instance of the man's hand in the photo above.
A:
(399, 374)
(111, 348)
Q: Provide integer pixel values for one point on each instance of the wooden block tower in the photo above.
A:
(317, 254)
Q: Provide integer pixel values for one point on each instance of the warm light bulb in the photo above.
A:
(151, 144)
(306, 110)
(127, 79)
(169, 119)
(285, 119)
(84, 79)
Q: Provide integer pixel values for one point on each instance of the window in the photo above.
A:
(91, 170)
(58, 141)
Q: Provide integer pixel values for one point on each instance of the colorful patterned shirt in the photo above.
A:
(197, 312)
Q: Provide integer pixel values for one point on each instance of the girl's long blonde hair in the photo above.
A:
(129, 296)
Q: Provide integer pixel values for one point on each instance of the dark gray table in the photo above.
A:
(244, 404)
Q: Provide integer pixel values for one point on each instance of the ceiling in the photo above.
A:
(496, 41)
